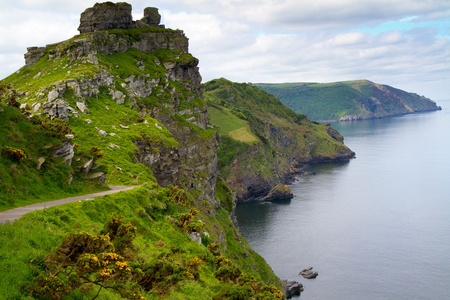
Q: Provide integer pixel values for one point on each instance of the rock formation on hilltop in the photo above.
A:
(148, 69)
(108, 15)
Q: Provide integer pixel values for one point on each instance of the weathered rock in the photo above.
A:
(41, 160)
(151, 16)
(279, 192)
(104, 16)
(292, 288)
(308, 273)
(108, 15)
(82, 107)
(98, 175)
(196, 237)
(52, 95)
(66, 151)
(164, 162)
(87, 167)
(33, 55)
(70, 178)
(102, 132)
(56, 109)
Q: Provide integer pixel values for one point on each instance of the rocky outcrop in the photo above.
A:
(66, 151)
(292, 288)
(108, 15)
(164, 162)
(33, 55)
(278, 192)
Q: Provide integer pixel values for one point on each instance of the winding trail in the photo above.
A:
(13, 214)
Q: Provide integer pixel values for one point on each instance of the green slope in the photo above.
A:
(147, 123)
(348, 100)
(22, 182)
(264, 143)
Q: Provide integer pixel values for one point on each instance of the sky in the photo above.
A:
(401, 43)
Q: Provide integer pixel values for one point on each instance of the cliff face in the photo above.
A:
(349, 100)
(137, 66)
(265, 144)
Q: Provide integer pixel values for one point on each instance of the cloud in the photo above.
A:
(395, 42)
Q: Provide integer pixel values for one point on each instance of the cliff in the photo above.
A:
(264, 144)
(348, 100)
(128, 94)
(144, 73)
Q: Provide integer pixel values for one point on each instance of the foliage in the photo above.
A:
(8, 95)
(15, 153)
(55, 128)
(96, 153)
(83, 261)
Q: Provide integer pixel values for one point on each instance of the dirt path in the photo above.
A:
(13, 214)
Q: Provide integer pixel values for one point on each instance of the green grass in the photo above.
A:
(25, 243)
(20, 181)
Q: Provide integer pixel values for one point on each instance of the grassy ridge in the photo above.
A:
(262, 139)
(360, 99)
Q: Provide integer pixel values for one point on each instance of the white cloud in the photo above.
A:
(271, 40)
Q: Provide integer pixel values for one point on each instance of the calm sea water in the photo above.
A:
(377, 227)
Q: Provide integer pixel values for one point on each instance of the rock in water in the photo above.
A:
(308, 274)
(104, 16)
(292, 288)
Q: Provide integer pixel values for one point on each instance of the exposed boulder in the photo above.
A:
(98, 175)
(104, 16)
(196, 237)
(151, 16)
(66, 151)
(40, 160)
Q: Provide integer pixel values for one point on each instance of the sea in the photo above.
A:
(375, 227)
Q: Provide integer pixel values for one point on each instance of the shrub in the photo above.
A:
(56, 127)
(15, 153)
(96, 153)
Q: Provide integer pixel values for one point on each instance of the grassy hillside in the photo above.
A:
(131, 101)
(347, 100)
(263, 143)
(25, 141)
(159, 258)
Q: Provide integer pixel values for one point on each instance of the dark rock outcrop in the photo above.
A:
(151, 16)
(292, 288)
(308, 273)
(279, 192)
(108, 15)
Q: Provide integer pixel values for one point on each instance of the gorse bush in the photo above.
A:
(96, 153)
(15, 153)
